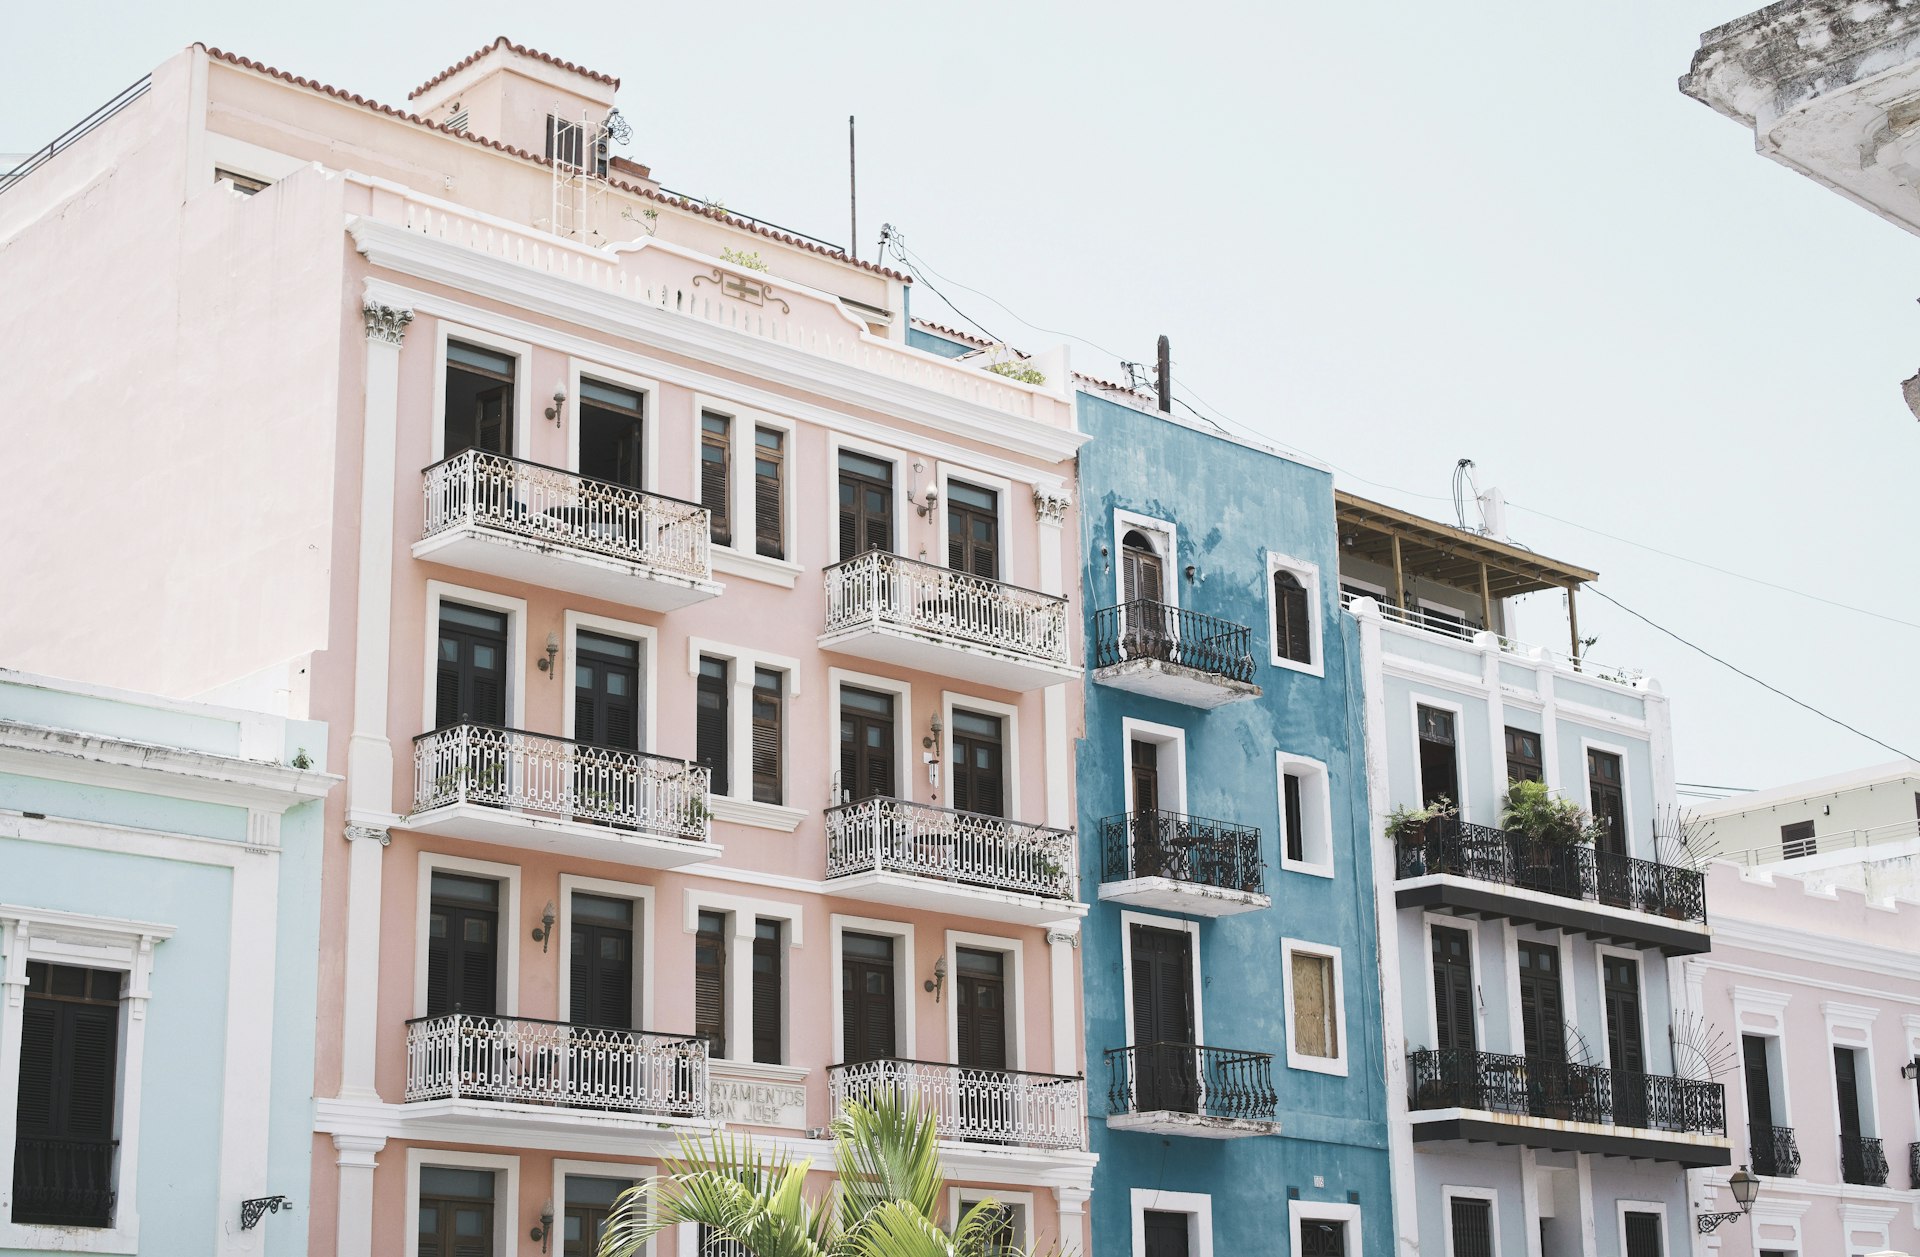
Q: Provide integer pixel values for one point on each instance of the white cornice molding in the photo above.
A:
(1774, 939)
(202, 776)
(424, 257)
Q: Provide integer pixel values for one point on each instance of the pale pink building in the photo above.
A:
(1810, 1003)
(617, 540)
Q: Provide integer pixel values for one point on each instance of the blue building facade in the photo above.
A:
(159, 957)
(1232, 1005)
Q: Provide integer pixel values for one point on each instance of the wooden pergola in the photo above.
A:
(1413, 546)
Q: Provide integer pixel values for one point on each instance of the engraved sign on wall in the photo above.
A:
(758, 1098)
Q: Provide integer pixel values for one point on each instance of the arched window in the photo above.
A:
(1292, 629)
(1142, 577)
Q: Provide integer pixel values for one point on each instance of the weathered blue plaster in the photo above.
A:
(936, 344)
(129, 808)
(1232, 505)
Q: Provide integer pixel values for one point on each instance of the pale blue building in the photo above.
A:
(159, 953)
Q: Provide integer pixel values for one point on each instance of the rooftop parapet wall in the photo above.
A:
(1772, 61)
(1810, 906)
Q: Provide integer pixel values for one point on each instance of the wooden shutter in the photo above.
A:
(866, 997)
(439, 965)
(1293, 634)
(1753, 1054)
(710, 982)
(601, 976)
(973, 530)
(767, 967)
(1542, 1017)
(980, 992)
(711, 742)
(866, 505)
(479, 957)
(1295, 816)
(1453, 990)
(769, 473)
(768, 721)
(716, 474)
(1846, 1085)
(978, 764)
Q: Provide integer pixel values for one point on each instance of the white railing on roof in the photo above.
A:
(1826, 844)
(1459, 630)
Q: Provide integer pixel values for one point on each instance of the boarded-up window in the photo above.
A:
(1314, 1030)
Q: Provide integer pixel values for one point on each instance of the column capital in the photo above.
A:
(368, 833)
(1070, 937)
(1051, 507)
(386, 325)
(357, 1151)
(1072, 1197)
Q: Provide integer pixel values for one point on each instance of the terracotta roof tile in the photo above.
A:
(524, 51)
(965, 338)
(692, 207)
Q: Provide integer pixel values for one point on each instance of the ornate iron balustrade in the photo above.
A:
(1863, 1161)
(1145, 629)
(882, 589)
(464, 1056)
(1564, 1091)
(1191, 1078)
(561, 508)
(1183, 848)
(1773, 1150)
(63, 1182)
(529, 772)
(882, 835)
(995, 1106)
(1571, 871)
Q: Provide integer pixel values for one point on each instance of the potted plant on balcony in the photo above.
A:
(1411, 827)
(1546, 827)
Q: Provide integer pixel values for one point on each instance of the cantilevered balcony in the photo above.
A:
(1477, 870)
(895, 610)
(1772, 1150)
(1182, 864)
(912, 855)
(544, 526)
(1863, 1161)
(983, 1106)
(519, 1073)
(1188, 1089)
(526, 790)
(1150, 648)
(1540, 1102)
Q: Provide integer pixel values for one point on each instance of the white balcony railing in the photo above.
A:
(884, 835)
(566, 510)
(526, 772)
(888, 591)
(994, 1106)
(1460, 630)
(462, 1056)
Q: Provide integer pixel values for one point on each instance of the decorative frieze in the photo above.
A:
(370, 833)
(386, 325)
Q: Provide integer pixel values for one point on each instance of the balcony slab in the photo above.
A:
(1465, 896)
(474, 547)
(1191, 1125)
(526, 831)
(1175, 683)
(1484, 1126)
(931, 894)
(1192, 898)
(948, 656)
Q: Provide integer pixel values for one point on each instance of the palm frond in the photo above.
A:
(886, 1151)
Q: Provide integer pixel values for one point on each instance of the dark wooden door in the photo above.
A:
(456, 1213)
(979, 776)
(1143, 765)
(980, 991)
(463, 945)
(1626, 1046)
(1146, 631)
(1453, 1011)
(1142, 576)
(606, 692)
(867, 768)
(471, 684)
(1165, 1234)
(866, 505)
(1846, 1084)
(1439, 757)
(1164, 1063)
(600, 980)
(612, 421)
(973, 530)
(866, 997)
(1542, 1023)
(1320, 1238)
(1606, 791)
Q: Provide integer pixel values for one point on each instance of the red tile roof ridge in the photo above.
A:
(952, 333)
(524, 51)
(635, 189)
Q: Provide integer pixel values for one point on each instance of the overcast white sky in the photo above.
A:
(1388, 234)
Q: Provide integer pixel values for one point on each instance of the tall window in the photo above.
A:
(1439, 765)
(600, 974)
(1316, 1030)
(1293, 816)
(769, 733)
(769, 493)
(1292, 623)
(866, 505)
(1606, 788)
(612, 428)
(716, 474)
(463, 947)
(1472, 1227)
(711, 740)
(1523, 755)
(973, 530)
(456, 1212)
(979, 775)
(866, 997)
(69, 1061)
(769, 965)
(866, 745)
(470, 685)
(479, 399)
(710, 982)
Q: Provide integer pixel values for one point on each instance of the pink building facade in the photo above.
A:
(1812, 997)
(698, 652)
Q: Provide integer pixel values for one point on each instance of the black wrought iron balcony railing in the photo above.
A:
(1225, 1083)
(63, 1182)
(1190, 849)
(1863, 1161)
(1772, 1150)
(1533, 1086)
(1144, 629)
(1571, 871)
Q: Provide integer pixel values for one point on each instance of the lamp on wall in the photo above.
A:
(553, 648)
(559, 406)
(543, 932)
(544, 1230)
(1746, 1189)
(1911, 1070)
(938, 981)
(923, 501)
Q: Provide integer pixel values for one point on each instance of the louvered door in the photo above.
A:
(973, 530)
(1846, 1083)
(1146, 632)
(769, 976)
(69, 1064)
(866, 505)
(769, 493)
(866, 997)
(716, 475)
(712, 740)
(463, 950)
(980, 1014)
(979, 776)
(1759, 1081)
(600, 979)
(866, 745)
(1165, 1064)
(1626, 1046)
(1543, 1029)
(471, 682)
(606, 713)
(769, 736)
(1143, 767)
(710, 982)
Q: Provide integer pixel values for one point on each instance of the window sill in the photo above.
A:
(1302, 866)
(70, 1239)
(759, 815)
(1336, 1065)
(1294, 665)
(754, 567)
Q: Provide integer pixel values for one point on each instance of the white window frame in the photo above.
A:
(1316, 813)
(579, 369)
(1851, 1026)
(1009, 717)
(742, 913)
(506, 1193)
(1448, 1194)
(903, 730)
(563, 1168)
(644, 635)
(508, 875)
(1016, 994)
(1427, 921)
(1601, 953)
(522, 351)
(738, 804)
(1309, 576)
(1626, 785)
(516, 669)
(1129, 919)
(741, 559)
(1337, 1063)
(1173, 736)
(906, 980)
(1762, 1013)
(961, 1199)
(1198, 1206)
(904, 516)
(1462, 773)
(1299, 1211)
(1159, 531)
(89, 942)
(1562, 947)
(945, 474)
(642, 899)
(1624, 1207)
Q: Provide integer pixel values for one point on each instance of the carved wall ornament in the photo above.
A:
(755, 292)
(386, 324)
(1050, 507)
(372, 833)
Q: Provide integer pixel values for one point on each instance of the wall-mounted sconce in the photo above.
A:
(1911, 1070)
(1193, 576)
(925, 500)
(931, 753)
(559, 406)
(1106, 561)
(938, 981)
(553, 648)
(544, 1231)
(543, 932)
